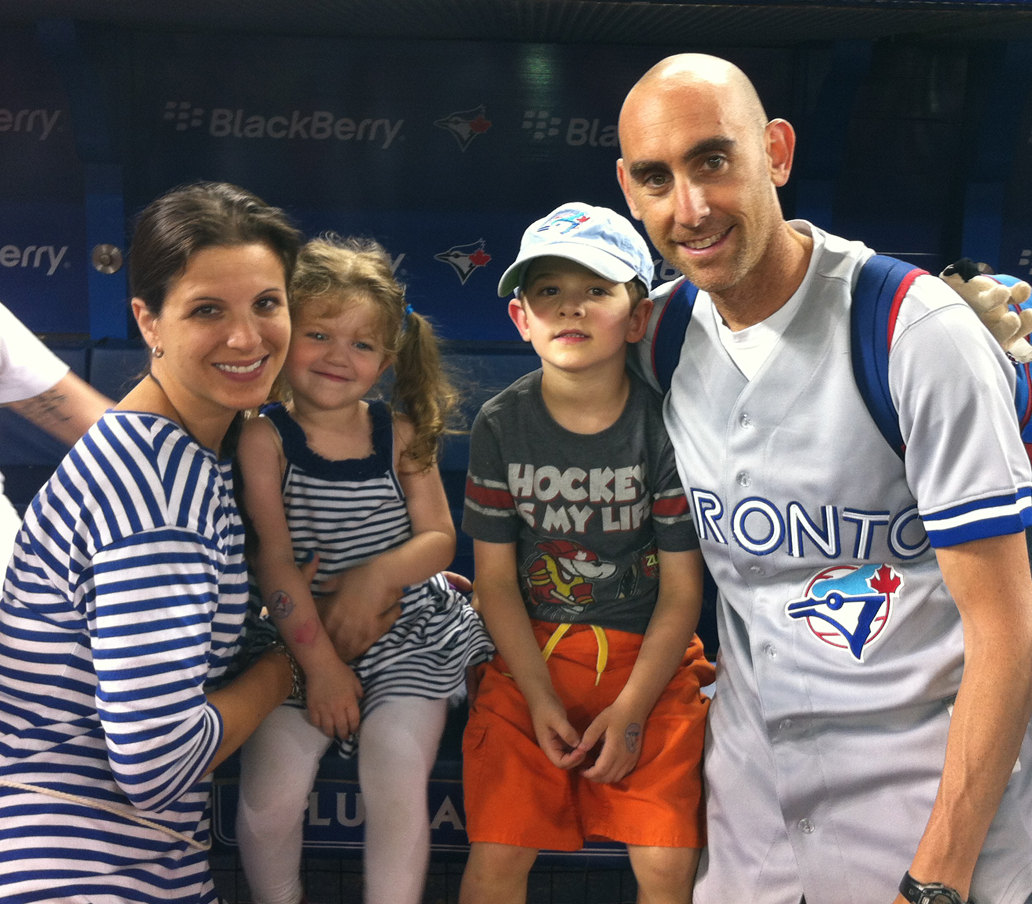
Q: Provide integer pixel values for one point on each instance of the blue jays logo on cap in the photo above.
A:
(565, 221)
(847, 606)
(594, 237)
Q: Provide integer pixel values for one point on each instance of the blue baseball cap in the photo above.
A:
(594, 237)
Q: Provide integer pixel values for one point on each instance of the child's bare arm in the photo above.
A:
(332, 687)
(674, 620)
(502, 607)
(365, 599)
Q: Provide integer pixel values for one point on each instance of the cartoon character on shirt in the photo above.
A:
(564, 574)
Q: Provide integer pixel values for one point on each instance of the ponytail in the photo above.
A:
(423, 391)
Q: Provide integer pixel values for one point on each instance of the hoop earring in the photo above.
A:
(157, 352)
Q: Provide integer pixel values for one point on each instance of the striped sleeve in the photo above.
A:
(152, 598)
(130, 569)
(489, 512)
(992, 516)
(954, 389)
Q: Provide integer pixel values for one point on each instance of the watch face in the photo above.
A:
(940, 898)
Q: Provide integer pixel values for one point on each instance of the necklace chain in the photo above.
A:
(182, 420)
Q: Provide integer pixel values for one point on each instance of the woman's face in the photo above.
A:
(223, 333)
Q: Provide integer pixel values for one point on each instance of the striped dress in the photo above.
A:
(351, 511)
(123, 603)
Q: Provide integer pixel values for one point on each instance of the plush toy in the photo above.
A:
(996, 300)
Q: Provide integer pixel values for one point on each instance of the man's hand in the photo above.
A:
(555, 735)
(621, 734)
(332, 699)
(359, 610)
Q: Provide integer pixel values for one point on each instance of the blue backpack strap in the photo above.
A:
(880, 289)
(670, 330)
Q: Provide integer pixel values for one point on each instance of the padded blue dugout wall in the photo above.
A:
(445, 150)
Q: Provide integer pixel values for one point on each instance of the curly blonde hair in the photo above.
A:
(333, 272)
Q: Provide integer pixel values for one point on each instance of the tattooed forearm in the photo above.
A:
(280, 605)
(632, 734)
(46, 410)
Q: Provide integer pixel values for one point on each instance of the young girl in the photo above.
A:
(355, 484)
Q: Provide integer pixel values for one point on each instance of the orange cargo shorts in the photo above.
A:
(515, 795)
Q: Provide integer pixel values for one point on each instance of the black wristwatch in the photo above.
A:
(929, 892)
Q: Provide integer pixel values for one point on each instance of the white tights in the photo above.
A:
(397, 749)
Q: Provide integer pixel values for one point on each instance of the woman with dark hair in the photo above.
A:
(124, 602)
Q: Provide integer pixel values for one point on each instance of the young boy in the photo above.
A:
(589, 723)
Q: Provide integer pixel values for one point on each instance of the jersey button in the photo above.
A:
(768, 648)
(744, 479)
(745, 420)
(755, 569)
(807, 826)
(785, 725)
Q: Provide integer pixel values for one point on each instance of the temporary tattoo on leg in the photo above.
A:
(632, 734)
(280, 605)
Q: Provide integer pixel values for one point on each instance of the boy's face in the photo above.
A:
(575, 319)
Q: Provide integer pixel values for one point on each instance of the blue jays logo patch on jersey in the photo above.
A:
(847, 606)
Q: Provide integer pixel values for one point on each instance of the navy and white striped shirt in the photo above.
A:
(124, 600)
(351, 511)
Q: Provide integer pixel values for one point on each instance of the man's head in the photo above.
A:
(700, 167)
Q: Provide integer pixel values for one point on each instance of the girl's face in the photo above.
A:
(336, 359)
(224, 331)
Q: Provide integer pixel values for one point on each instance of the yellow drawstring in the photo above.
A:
(600, 636)
(557, 635)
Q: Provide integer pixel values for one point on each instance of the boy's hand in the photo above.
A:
(555, 735)
(359, 609)
(332, 699)
(620, 733)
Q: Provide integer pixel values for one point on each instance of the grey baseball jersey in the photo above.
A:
(840, 648)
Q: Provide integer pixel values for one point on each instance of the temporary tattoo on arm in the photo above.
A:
(307, 632)
(632, 734)
(280, 605)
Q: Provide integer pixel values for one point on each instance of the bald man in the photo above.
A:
(869, 738)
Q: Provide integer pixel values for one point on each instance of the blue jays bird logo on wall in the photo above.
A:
(465, 259)
(465, 125)
(848, 606)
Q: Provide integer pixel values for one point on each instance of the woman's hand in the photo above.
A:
(360, 608)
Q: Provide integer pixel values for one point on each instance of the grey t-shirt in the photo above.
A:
(587, 511)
